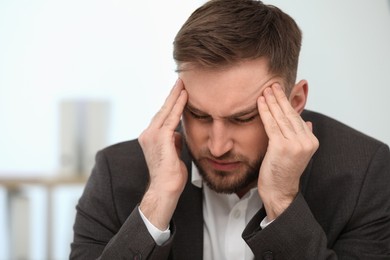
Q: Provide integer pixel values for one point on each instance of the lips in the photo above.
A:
(223, 165)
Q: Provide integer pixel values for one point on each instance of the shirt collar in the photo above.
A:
(196, 179)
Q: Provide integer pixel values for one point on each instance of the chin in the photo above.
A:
(229, 182)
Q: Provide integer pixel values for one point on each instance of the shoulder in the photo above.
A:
(344, 176)
(125, 161)
(124, 168)
(122, 150)
(344, 153)
(336, 136)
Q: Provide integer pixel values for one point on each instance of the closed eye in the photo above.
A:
(198, 116)
(243, 120)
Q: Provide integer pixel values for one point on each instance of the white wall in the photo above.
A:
(52, 50)
(346, 59)
(121, 51)
(117, 50)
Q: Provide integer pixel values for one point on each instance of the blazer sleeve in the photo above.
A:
(98, 232)
(297, 235)
(293, 235)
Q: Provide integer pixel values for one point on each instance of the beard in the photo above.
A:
(227, 181)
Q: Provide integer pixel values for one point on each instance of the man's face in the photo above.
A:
(222, 125)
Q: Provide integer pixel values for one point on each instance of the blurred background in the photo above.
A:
(76, 76)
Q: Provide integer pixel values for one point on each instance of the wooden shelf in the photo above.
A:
(17, 182)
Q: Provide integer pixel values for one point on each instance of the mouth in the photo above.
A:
(223, 165)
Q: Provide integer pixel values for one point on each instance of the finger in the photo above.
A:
(160, 117)
(296, 121)
(271, 127)
(173, 118)
(278, 114)
(281, 98)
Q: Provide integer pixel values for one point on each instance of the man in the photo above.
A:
(242, 176)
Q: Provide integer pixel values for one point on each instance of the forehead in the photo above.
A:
(229, 90)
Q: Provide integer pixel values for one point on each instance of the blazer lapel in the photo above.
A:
(188, 218)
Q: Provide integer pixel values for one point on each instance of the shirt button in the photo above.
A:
(236, 214)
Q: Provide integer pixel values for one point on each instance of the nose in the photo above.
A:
(220, 141)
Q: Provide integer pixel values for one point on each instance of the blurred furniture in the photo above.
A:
(39, 214)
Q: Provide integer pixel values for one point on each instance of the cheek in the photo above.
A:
(253, 140)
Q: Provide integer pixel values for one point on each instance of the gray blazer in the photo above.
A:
(341, 212)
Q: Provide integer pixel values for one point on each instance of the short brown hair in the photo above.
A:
(223, 32)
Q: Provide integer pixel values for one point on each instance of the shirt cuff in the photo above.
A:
(160, 237)
(265, 222)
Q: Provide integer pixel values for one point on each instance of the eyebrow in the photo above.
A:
(242, 113)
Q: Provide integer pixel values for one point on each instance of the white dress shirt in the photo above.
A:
(225, 218)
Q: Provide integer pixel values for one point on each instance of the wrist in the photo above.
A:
(276, 204)
(158, 208)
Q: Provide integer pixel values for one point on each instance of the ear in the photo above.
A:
(298, 96)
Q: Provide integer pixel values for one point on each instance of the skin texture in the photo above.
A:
(239, 125)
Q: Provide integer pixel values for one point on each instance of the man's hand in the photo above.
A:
(290, 147)
(161, 147)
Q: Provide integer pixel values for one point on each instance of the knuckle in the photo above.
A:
(145, 136)
(293, 115)
(142, 138)
(316, 142)
(307, 148)
(284, 120)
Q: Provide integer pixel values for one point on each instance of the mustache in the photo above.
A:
(228, 156)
